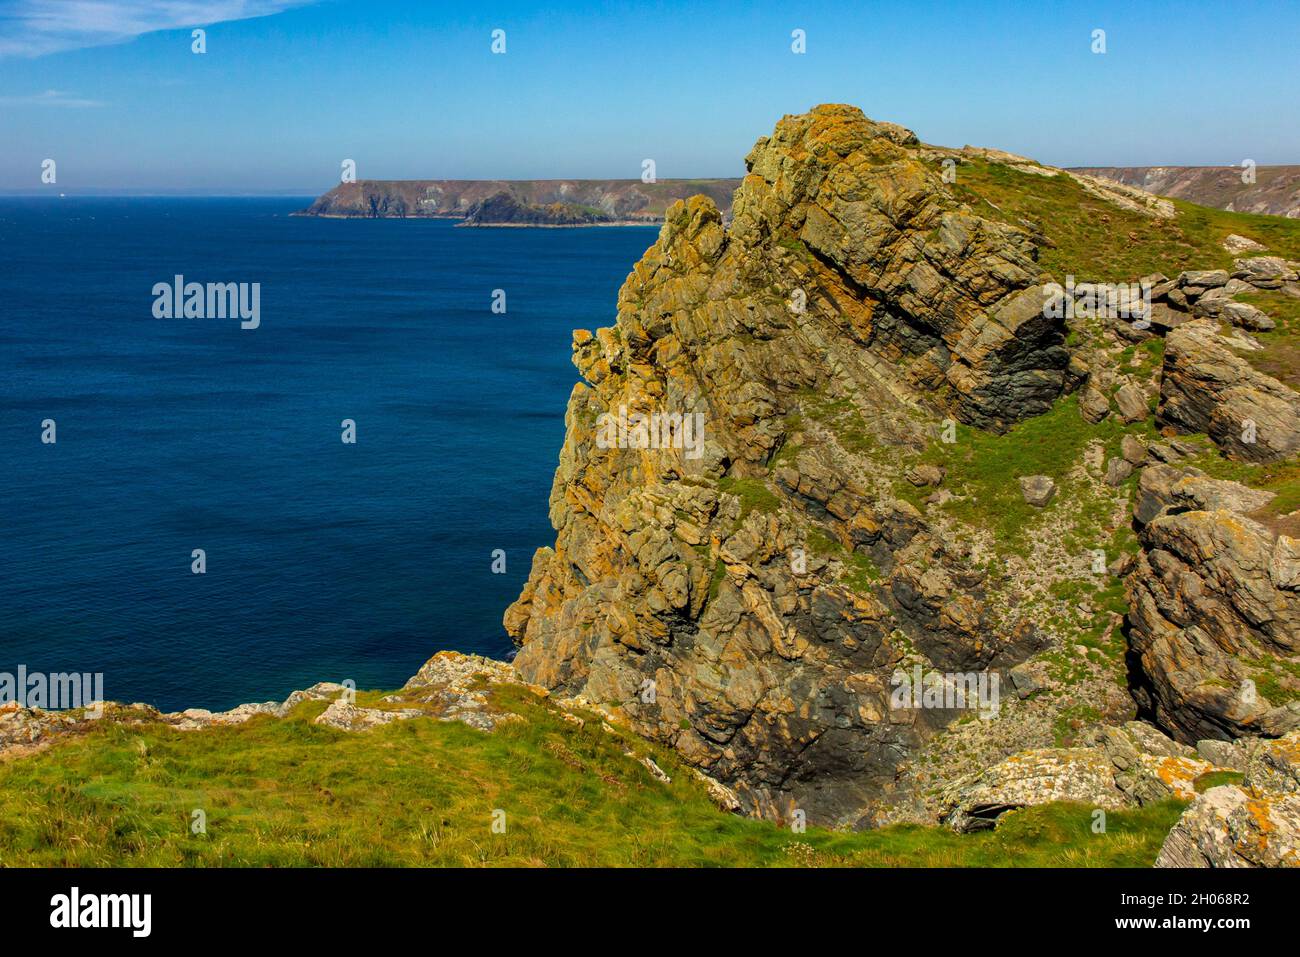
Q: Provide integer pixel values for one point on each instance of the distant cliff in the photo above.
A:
(1276, 189)
(558, 202)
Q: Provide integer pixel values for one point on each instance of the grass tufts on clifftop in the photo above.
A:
(422, 792)
(1092, 239)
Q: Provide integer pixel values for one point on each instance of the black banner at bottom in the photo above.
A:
(761, 908)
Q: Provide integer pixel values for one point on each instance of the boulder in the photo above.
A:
(1240, 244)
(923, 475)
(1225, 754)
(1117, 470)
(1203, 278)
(1229, 827)
(1133, 450)
(1038, 490)
(1206, 387)
(1028, 678)
(1132, 403)
(1264, 272)
(1093, 404)
(1245, 316)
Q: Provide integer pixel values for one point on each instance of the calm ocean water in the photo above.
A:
(325, 561)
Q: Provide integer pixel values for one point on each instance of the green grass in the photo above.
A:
(1277, 679)
(1143, 359)
(753, 494)
(843, 419)
(1214, 779)
(423, 792)
(1090, 238)
(1070, 722)
(1280, 357)
(860, 572)
(983, 468)
(717, 578)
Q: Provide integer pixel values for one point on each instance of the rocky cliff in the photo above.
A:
(516, 202)
(1275, 189)
(834, 450)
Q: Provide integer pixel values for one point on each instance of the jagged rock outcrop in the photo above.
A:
(1207, 387)
(1214, 607)
(1254, 825)
(700, 591)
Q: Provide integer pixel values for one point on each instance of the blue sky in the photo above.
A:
(112, 91)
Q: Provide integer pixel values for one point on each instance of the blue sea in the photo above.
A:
(324, 561)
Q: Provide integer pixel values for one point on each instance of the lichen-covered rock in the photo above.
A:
(1231, 827)
(451, 686)
(1120, 765)
(348, 717)
(1274, 766)
(1209, 622)
(1148, 765)
(26, 729)
(686, 588)
(1030, 778)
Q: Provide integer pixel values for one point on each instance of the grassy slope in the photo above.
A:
(422, 792)
(1091, 239)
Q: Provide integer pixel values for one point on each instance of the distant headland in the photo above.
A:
(526, 202)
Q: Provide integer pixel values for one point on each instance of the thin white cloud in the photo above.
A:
(32, 28)
(50, 98)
